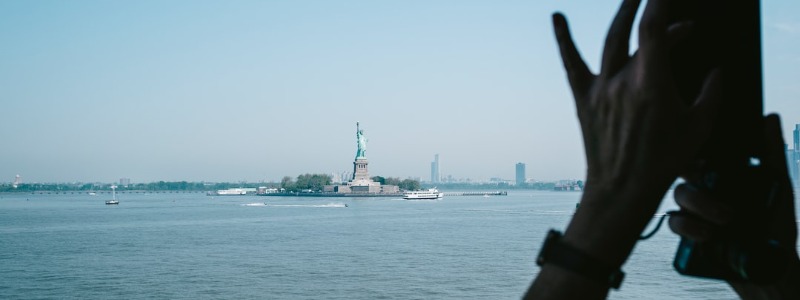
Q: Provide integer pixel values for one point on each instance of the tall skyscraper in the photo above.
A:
(435, 169)
(520, 174)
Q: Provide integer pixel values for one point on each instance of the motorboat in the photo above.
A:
(113, 200)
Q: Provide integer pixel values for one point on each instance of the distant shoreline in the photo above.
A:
(47, 192)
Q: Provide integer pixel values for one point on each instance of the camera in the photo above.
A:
(739, 251)
(726, 36)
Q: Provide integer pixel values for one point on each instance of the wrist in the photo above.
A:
(610, 220)
(554, 251)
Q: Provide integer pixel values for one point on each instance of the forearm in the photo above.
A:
(607, 233)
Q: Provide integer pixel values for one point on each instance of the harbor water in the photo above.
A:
(192, 246)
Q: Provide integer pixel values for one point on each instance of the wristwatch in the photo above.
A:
(555, 251)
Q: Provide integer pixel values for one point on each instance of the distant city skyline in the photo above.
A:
(95, 91)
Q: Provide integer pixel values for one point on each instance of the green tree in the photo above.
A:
(379, 179)
(303, 181)
(288, 184)
(409, 184)
(314, 182)
(393, 181)
(319, 181)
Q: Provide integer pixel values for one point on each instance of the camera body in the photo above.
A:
(740, 251)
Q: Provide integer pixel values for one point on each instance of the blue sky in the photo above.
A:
(255, 90)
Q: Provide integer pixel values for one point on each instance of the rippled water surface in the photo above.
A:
(192, 246)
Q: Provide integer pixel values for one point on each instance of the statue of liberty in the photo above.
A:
(362, 143)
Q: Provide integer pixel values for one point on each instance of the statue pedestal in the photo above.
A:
(360, 172)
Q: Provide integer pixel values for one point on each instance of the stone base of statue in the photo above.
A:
(360, 171)
(361, 183)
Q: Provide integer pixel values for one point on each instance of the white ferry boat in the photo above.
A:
(429, 194)
(231, 192)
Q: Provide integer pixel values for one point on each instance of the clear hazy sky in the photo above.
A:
(255, 90)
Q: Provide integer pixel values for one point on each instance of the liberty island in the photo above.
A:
(360, 184)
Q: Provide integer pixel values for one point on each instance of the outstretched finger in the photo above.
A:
(615, 52)
(577, 72)
(653, 27)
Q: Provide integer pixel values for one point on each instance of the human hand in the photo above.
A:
(638, 132)
(704, 218)
(636, 128)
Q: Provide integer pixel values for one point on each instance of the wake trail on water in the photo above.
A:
(330, 205)
(534, 212)
(541, 212)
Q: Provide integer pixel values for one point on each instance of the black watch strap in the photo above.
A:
(556, 252)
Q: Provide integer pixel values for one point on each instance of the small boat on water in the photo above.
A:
(113, 200)
(232, 192)
(429, 194)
